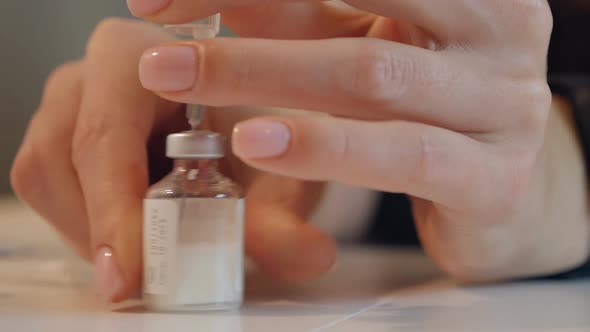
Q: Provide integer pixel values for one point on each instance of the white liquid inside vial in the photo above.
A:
(207, 274)
(196, 263)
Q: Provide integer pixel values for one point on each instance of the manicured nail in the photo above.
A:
(142, 8)
(260, 139)
(109, 281)
(168, 68)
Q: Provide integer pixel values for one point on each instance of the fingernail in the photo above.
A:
(142, 8)
(259, 139)
(109, 281)
(168, 68)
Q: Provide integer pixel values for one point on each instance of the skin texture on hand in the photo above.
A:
(85, 160)
(446, 101)
(472, 150)
(547, 233)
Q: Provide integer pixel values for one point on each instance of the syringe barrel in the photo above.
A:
(208, 27)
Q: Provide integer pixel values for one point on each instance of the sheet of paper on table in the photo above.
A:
(370, 289)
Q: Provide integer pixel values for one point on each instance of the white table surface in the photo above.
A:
(44, 288)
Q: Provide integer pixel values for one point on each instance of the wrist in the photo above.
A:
(549, 234)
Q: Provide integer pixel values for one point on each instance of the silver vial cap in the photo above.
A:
(195, 144)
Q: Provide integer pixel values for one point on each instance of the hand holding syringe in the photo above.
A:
(85, 161)
(200, 29)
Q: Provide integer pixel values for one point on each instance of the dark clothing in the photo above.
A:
(569, 52)
(569, 59)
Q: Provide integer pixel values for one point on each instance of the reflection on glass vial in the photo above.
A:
(193, 231)
(204, 28)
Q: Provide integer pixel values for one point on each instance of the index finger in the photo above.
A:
(109, 151)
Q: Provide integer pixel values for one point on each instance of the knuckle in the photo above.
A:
(109, 31)
(537, 11)
(22, 175)
(379, 76)
(89, 131)
(531, 15)
(40, 150)
(62, 73)
(543, 19)
(534, 101)
(528, 6)
(343, 154)
(25, 174)
(426, 161)
(59, 76)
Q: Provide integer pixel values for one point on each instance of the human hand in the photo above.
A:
(447, 102)
(83, 166)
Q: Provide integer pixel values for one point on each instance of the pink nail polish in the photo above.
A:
(168, 68)
(259, 139)
(109, 281)
(142, 8)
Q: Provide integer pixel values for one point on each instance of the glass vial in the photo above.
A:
(194, 231)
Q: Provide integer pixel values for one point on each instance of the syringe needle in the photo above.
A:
(194, 115)
(200, 29)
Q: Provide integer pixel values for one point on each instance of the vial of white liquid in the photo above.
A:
(194, 231)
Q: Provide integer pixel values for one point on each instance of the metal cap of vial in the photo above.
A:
(195, 144)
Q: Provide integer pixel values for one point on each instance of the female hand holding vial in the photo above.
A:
(97, 204)
(434, 104)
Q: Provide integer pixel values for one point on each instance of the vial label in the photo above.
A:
(199, 260)
(160, 234)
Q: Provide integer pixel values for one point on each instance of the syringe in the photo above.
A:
(200, 29)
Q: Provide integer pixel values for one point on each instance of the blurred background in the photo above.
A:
(35, 37)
